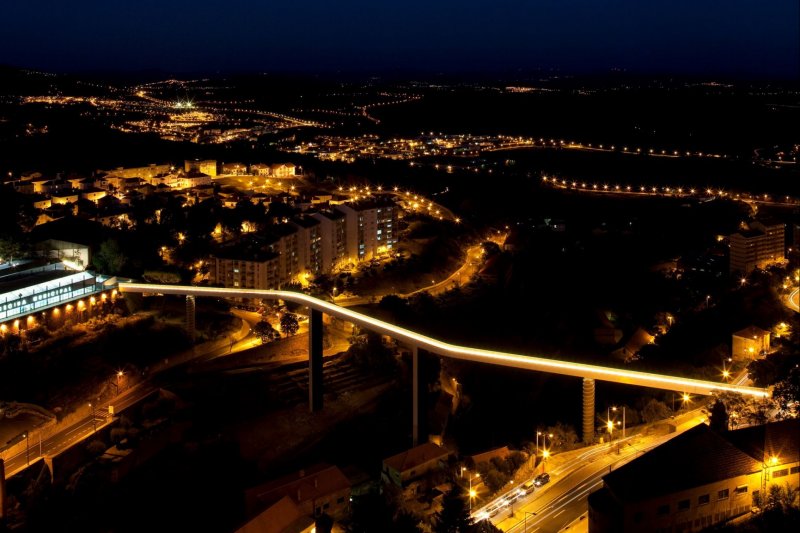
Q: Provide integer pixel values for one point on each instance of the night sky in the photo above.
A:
(731, 37)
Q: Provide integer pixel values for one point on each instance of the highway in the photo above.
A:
(435, 346)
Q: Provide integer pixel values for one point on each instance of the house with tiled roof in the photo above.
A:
(316, 490)
(749, 342)
(413, 463)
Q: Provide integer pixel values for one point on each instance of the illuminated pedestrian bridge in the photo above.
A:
(417, 342)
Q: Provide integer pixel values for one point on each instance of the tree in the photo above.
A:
(454, 516)
(289, 323)
(110, 259)
(787, 391)
(265, 330)
(9, 250)
(718, 417)
(654, 411)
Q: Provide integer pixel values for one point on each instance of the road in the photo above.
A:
(85, 426)
(75, 432)
(564, 499)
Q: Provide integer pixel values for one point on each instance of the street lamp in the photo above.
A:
(545, 455)
(27, 448)
(120, 373)
(472, 492)
(623, 418)
(94, 420)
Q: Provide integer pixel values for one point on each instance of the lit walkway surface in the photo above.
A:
(794, 300)
(444, 349)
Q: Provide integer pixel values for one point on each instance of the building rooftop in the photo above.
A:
(751, 332)
(305, 221)
(373, 202)
(308, 484)
(282, 517)
(697, 457)
(331, 214)
(777, 439)
(416, 456)
(487, 456)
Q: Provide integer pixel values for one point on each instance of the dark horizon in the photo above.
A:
(740, 41)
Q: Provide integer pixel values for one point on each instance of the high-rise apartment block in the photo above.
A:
(313, 244)
(760, 244)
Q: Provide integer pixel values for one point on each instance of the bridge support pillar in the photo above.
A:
(2, 492)
(588, 410)
(190, 313)
(415, 396)
(315, 361)
(421, 368)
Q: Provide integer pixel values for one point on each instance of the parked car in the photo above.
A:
(542, 479)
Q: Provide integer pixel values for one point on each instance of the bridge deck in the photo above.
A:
(525, 362)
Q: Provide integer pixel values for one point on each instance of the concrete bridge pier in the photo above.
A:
(588, 410)
(415, 395)
(190, 314)
(315, 361)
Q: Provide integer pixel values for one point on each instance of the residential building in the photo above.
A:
(206, 166)
(309, 243)
(234, 169)
(758, 245)
(277, 170)
(333, 246)
(243, 267)
(316, 490)
(139, 172)
(749, 343)
(371, 227)
(485, 457)
(411, 464)
(697, 479)
(284, 516)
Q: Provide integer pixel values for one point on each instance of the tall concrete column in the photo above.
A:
(315, 361)
(190, 313)
(2, 492)
(415, 395)
(588, 410)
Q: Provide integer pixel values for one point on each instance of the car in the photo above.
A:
(541, 479)
(529, 486)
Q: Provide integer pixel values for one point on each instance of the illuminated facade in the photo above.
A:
(749, 343)
(758, 246)
(334, 239)
(206, 166)
(371, 228)
(35, 289)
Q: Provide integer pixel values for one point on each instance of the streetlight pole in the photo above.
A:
(27, 448)
(472, 492)
(94, 420)
(525, 528)
(623, 419)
